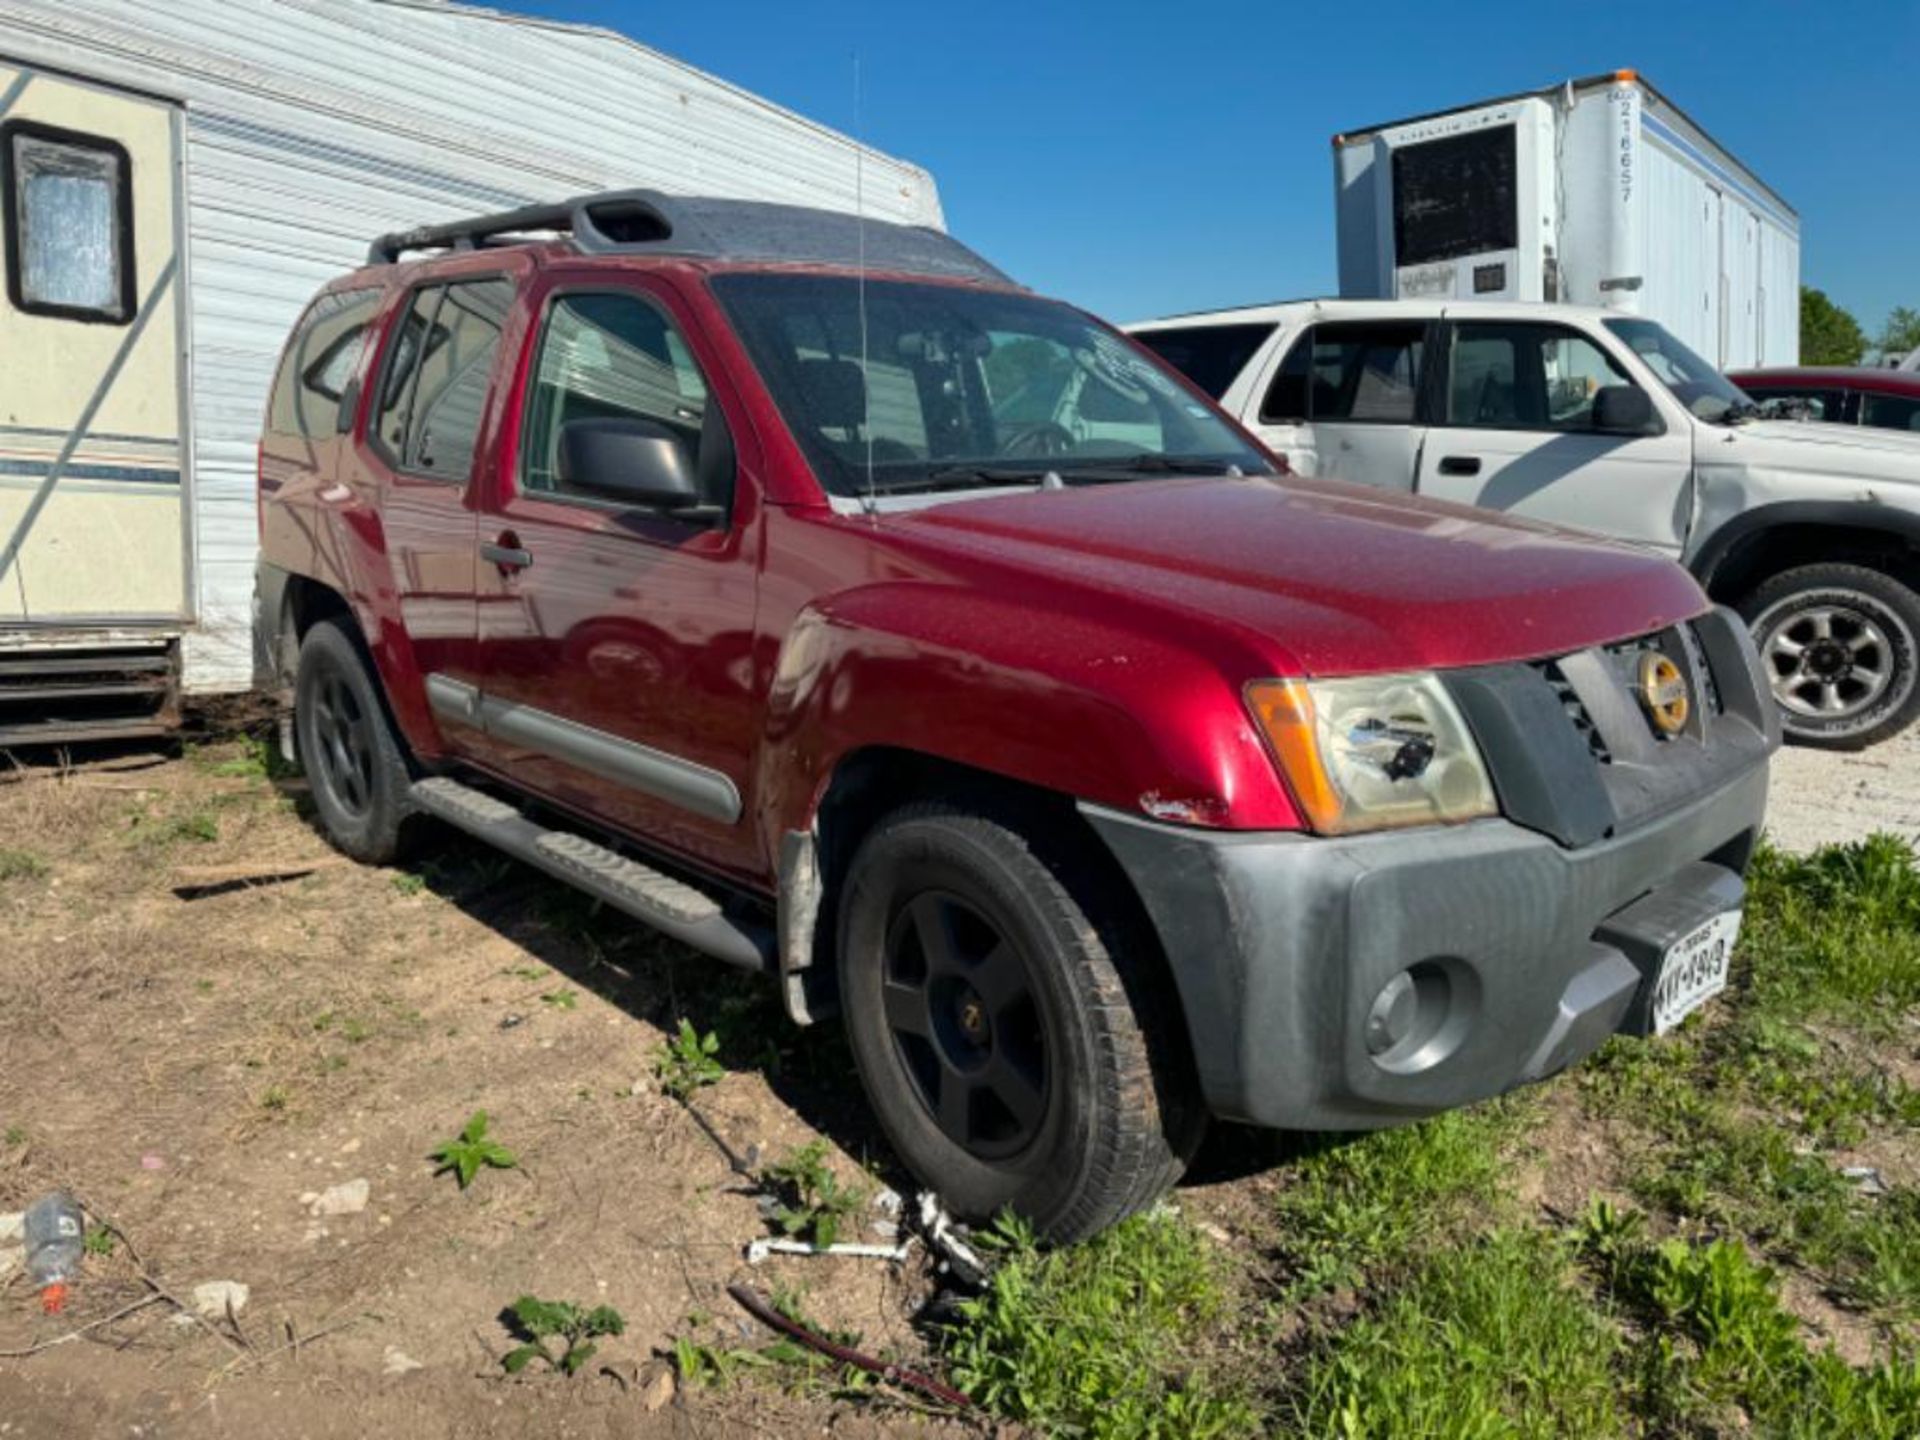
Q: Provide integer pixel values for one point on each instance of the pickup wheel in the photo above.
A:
(1005, 1029)
(348, 748)
(1838, 643)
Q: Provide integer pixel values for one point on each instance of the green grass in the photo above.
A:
(1104, 1339)
(1493, 1340)
(21, 865)
(1357, 1203)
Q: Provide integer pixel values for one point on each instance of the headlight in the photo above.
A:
(1375, 752)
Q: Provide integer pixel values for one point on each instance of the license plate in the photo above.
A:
(1694, 970)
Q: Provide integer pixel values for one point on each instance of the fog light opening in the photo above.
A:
(1421, 1015)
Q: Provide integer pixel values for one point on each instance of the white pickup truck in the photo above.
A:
(1603, 420)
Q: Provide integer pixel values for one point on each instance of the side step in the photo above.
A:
(670, 906)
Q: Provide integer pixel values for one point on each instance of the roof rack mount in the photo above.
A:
(613, 220)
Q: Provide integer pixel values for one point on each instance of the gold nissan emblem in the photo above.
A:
(1663, 692)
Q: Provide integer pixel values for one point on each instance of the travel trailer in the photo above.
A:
(178, 180)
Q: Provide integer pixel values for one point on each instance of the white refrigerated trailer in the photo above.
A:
(176, 180)
(1596, 192)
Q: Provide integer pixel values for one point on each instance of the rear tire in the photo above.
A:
(1006, 1027)
(1838, 643)
(353, 759)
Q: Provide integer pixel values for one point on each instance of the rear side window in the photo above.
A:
(1212, 356)
(1894, 412)
(68, 210)
(322, 357)
(1365, 372)
(433, 393)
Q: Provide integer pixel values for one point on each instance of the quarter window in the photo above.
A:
(69, 223)
(608, 357)
(322, 357)
(1526, 377)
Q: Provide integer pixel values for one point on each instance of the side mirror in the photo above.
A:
(1624, 410)
(641, 462)
(349, 408)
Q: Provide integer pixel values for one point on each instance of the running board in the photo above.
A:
(670, 906)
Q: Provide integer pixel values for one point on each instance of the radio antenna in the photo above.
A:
(860, 226)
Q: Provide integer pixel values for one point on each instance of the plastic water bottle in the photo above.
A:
(56, 1238)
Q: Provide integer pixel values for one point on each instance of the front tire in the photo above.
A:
(1010, 1041)
(1838, 643)
(353, 759)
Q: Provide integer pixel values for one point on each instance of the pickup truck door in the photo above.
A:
(1513, 430)
(616, 659)
(1344, 402)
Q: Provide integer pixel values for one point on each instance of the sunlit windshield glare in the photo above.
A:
(1694, 383)
(947, 386)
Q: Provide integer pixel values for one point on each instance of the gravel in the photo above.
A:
(1826, 797)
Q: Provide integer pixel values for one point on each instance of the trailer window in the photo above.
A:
(1455, 196)
(69, 223)
(1212, 356)
(322, 357)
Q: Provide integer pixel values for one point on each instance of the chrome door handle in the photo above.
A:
(507, 557)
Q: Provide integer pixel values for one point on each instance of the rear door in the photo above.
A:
(93, 525)
(1513, 430)
(1345, 402)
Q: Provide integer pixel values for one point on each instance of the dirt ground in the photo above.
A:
(1823, 798)
(209, 1019)
(192, 1056)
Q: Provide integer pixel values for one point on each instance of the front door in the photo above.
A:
(1344, 403)
(92, 520)
(616, 642)
(1513, 430)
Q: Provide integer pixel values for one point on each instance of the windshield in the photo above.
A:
(1694, 383)
(962, 387)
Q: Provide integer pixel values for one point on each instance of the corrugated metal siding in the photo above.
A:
(314, 125)
(1683, 250)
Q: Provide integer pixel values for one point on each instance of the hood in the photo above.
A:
(1322, 578)
(1859, 452)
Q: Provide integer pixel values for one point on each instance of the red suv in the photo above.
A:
(808, 591)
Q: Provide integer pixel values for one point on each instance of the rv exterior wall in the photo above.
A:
(313, 125)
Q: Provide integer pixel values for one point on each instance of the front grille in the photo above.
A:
(1575, 710)
(1709, 688)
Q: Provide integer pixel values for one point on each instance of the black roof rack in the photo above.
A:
(634, 222)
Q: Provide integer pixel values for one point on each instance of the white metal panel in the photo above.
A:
(1740, 285)
(1682, 250)
(314, 125)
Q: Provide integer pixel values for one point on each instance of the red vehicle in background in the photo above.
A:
(1841, 395)
(808, 591)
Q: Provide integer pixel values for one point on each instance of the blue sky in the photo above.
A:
(1145, 158)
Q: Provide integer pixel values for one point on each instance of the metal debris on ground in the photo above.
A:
(759, 1250)
(947, 1239)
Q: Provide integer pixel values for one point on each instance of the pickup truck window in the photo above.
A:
(1526, 377)
(1368, 371)
(607, 356)
(947, 386)
(1892, 412)
(1694, 383)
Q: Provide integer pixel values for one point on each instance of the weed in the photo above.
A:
(1357, 1203)
(813, 1203)
(259, 759)
(275, 1098)
(561, 999)
(471, 1151)
(199, 827)
(577, 1330)
(406, 882)
(99, 1241)
(1492, 1340)
(203, 987)
(1098, 1340)
(16, 1135)
(21, 865)
(687, 1062)
(524, 972)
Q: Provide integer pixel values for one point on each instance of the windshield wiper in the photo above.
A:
(968, 477)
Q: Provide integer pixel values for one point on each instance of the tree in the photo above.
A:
(1828, 334)
(1901, 334)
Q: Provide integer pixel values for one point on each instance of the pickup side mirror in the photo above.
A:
(641, 462)
(1624, 410)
